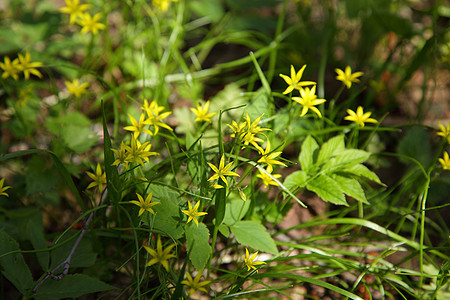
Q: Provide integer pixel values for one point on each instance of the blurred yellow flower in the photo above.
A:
(445, 161)
(90, 24)
(202, 112)
(75, 88)
(195, 284)
(359, 117)
(74, 9)
(308, 99)
(160, 256)
(162, 5)
(294, 81)
(3, 188)
(347, 77)
(192, 213)
(26, 66)
(10, 68)
(250, 260)
(145, 205)
(445, 132)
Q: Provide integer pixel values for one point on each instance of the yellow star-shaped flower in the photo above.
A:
(74, 9)
(3, 188)
(145, 205)
(445, 161)
(250, 260)
(359, 117)
(99, 178)
(269, 158)
(202, 112)
(160, 256)
(90, 24)
(27, 67)
(308, 99)
(347, 77)
(138, 127)
(193, 213)
(10, 68)
(266, 179)
(445, 132)
(222, 171)
(75, 88)
(294, 81)
(195, 284)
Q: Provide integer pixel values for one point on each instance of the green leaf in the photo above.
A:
(220, 202)
(416, 144)
(258, 106)
(212, 9)
(197, 243)
(295, 180)
(327, 189)
(13, 265)
(167, 212)
(83, 257)
(35, 234)
(224, 230)
(235, 211)
(345, 159)
(79, 139)
(351, 187)
(362, 170)
(253, 234)
(306, 156)
(71, 286)
(331, 148)
(112, 175)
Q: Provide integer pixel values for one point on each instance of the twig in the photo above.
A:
(66, 262)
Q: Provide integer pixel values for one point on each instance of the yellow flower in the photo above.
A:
(90, 24)
(99, 178)
(222, 171)
(75, 88)
(138, 152)
(238, 130)
(359, 117)
(252, 128)
(192, 213)
(309, 99)
(160, 256)
(121, 155)
(162, 5)
(445, 132)
(145, 205)
(202, 112)
(26, 66)
(154, 117)
(138, 127)
(266, 179)
(195, 284)
(270, 158)
(249, 260)
(294, 81)
(74, 9)
(445, 162)
(347, 77)
(3, 188)
(10, 68)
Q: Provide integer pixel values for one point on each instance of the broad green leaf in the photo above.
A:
(13, 265)
(327, 189)
(235, 211)
(351, 187)
(416, 144)
(71, 286)
(83, 257)
(345, 159)
(220, 202)
(212, 9)
(295, 180)
(197, 243)
(258, 106)
(79, 139)
(35, 233)
(362, 170)
(331, 148)
(306, 156)
(253, 234)
(224, 230)
(112, 175)
(167, 212)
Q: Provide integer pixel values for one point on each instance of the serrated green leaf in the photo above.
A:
(362, 170)
(235, 211)
(351, 187)
(327, 189)
(253, 234)
(71, 286)
(306, 156)
(345, 159)
(296, 179)
(13, 265)
(197, 243)
(331, 148)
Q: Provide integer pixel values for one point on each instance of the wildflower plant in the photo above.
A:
(280, 164)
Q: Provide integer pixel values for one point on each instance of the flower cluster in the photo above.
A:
(79, 15)
(21, 64)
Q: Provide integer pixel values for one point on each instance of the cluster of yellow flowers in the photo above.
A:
(79, 15)
(21, 64)
(445, 133)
